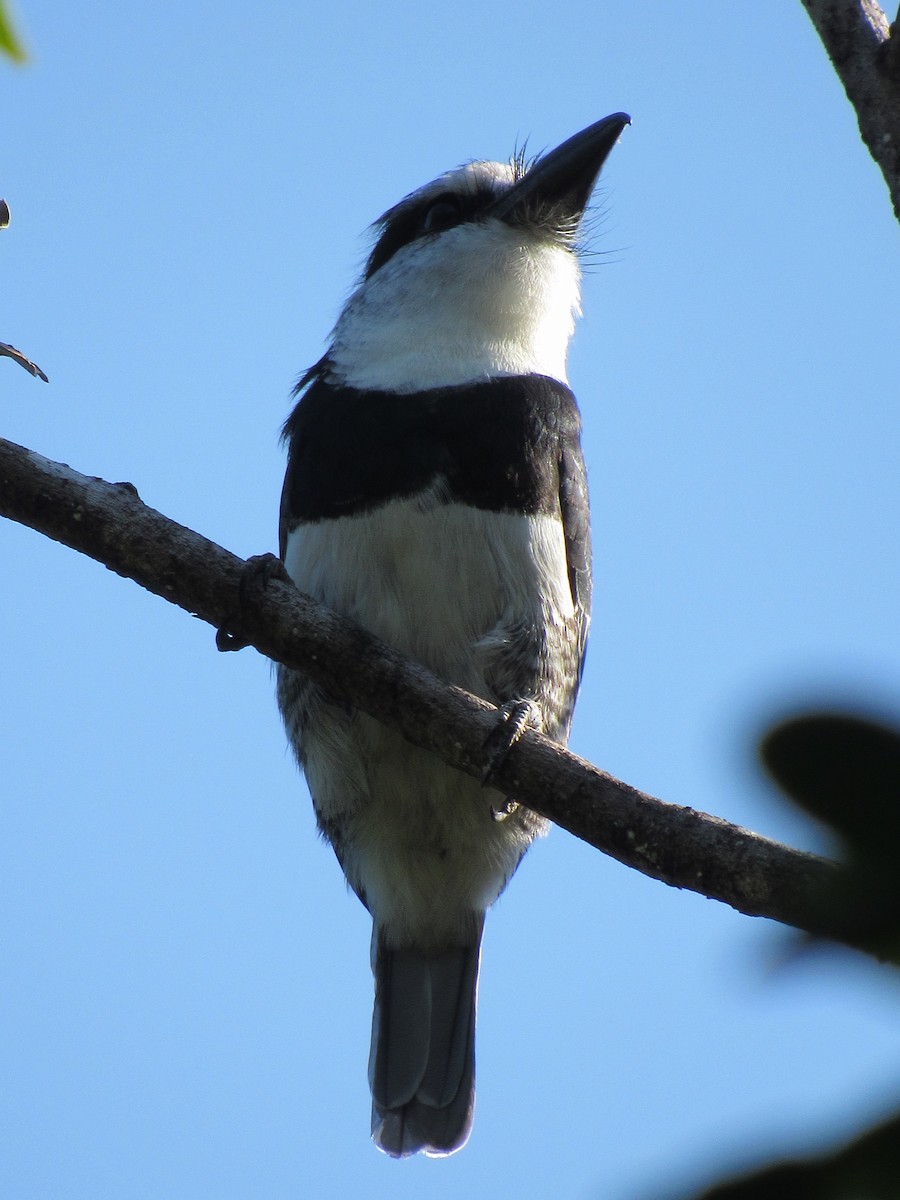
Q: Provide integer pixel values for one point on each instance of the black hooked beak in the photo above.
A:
(559, 185)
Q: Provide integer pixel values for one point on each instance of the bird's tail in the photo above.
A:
(422, 1060)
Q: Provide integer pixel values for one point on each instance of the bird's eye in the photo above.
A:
(441, 215)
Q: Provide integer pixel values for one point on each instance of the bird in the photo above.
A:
(436, 495)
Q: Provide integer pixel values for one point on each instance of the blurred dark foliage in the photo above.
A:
(865, 1169)
(844, 771)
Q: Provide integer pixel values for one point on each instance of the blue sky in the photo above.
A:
(186, 994)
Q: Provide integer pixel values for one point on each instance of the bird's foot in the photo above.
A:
(499, 812)
(513, 718)
(259, 571)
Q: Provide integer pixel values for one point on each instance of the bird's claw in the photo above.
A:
(259, 571)
(513, 718)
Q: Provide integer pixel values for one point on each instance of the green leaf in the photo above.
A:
(9, 41)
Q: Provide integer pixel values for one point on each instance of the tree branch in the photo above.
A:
(677, 845)
(866, 57)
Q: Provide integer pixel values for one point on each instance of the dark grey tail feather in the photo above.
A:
(422, 1061)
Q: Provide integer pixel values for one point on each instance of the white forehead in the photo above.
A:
(467, 180)
(475, 177)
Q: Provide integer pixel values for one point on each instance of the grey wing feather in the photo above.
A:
(576, 518)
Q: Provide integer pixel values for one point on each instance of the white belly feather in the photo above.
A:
(445, 584)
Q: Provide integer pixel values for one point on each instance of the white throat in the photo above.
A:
(478, 301)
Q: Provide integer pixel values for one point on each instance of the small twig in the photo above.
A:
(5, 348)
(859, 42)
(677, 845)
(17, 356)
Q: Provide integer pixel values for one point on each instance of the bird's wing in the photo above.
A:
(575, 510)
